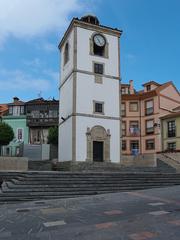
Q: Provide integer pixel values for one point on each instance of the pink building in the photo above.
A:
(141, 111)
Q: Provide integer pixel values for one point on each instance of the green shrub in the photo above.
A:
(53, 135)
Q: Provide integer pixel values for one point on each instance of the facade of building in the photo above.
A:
(16, 118)
(170, 128)
(141, 112)
(41, 115)
(89, 128)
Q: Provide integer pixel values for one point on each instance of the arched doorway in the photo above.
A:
(98, 144)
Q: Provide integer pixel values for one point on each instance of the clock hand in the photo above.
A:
(99, 40)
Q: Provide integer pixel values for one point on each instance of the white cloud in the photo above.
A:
(21, 81)
(49, 47)
(35, 63)
(29, 18)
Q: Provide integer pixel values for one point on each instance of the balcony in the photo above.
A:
(36, 122)
(134, 131)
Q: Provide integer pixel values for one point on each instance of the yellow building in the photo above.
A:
(170, 132)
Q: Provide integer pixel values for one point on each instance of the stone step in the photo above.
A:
(82, 188)
(84, 181)
(94, 176)
(79, 192)
(16, 183)
(47, 185)
(77, 173)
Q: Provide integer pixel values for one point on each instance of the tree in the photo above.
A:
(53, 135)
(6, 134)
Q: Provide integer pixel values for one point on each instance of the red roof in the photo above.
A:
(3, 109)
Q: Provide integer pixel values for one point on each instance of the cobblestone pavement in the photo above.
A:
(137, 215)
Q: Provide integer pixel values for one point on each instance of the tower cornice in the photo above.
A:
(99, 28)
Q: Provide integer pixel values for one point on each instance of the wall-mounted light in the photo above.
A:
(63, 118)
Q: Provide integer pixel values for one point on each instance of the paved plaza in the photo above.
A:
(137, 215)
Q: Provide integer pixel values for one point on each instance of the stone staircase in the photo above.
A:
(52, 185)
(170, 160)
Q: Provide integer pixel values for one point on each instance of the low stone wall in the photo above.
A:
(85, 166)
(145, 160)
(13, 164)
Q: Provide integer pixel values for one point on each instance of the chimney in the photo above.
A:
(16, 99)
(131, 88)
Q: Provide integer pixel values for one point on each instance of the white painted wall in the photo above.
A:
(68, 67)
(88, 90)
(66, 99)
(81, 141)
(65, 141)
(84, 59)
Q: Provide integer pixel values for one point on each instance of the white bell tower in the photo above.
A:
(89, 125)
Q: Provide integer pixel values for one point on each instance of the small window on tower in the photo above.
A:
(98, 68)
(98, 107)
(66, 53)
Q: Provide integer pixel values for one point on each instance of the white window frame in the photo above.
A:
(21, 140)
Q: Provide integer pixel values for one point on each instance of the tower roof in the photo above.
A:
(90, 18)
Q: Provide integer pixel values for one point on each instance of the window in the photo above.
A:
(16, 110)
(22, 110)
(134, 145)
(98, 68)
(98, 107)
(123, 145)
(150, 126)
(171, 146)
(123, 109)
(53, 113)
(133, 106)
(171, 129)
(149, 107)
(20, 134)
(134, 128)
(150, 145)
(148, 88)
(10, 110)
(123, 128)
(66, 53)
(124, 90)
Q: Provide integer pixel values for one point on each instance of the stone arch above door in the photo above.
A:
(98, 133)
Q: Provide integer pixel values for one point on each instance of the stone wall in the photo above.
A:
(144, 160)
(13, 164)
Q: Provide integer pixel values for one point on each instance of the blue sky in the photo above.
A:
(30, 31)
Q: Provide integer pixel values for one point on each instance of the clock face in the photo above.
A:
(99, 40)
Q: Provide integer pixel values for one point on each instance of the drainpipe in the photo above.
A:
(140, 142)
